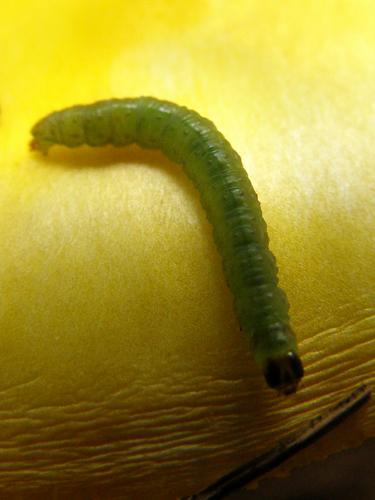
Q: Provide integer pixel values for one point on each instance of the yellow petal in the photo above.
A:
(122, 366)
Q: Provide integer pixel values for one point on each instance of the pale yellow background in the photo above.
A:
(122, 369)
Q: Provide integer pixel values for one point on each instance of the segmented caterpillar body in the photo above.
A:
(227, 196)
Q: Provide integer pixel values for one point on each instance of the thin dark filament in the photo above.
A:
(286, 448)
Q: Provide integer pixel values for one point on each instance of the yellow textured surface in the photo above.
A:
(122, 367)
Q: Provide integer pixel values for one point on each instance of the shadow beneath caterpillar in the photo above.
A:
(85, 158)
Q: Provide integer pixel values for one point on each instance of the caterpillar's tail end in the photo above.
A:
(284, 373)
(36, 145)
(33, 145)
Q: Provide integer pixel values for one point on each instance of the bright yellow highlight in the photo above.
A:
(122, 366)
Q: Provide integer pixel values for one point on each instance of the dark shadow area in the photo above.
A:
(88, 157)
(346, 475)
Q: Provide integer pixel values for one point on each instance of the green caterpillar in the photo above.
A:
(226, 194)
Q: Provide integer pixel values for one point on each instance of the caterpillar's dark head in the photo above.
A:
(284, 373)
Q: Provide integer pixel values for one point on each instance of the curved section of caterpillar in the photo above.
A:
(226, 194)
